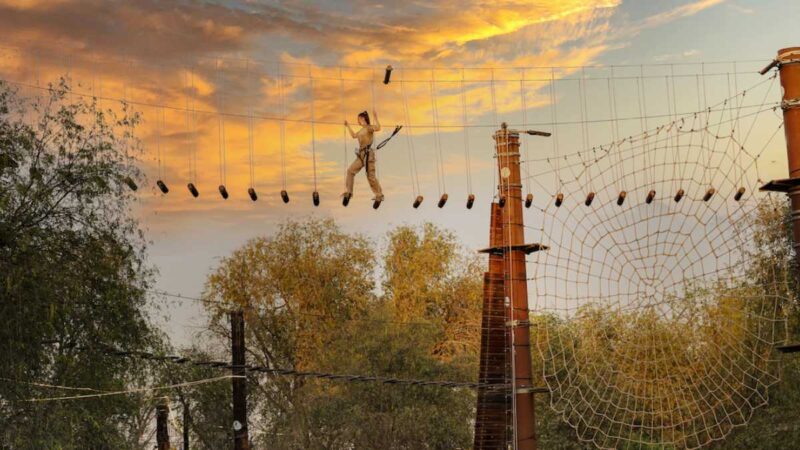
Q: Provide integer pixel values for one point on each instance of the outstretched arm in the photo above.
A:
(352, 133)
(377, 126)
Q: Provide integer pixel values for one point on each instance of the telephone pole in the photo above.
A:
(241, 440)
(162, 429)
(507, 271)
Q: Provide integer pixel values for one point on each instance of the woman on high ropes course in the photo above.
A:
(365, 156)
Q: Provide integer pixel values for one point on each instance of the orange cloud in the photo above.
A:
(163, 54)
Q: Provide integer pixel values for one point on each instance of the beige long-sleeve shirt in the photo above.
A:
(366, 134)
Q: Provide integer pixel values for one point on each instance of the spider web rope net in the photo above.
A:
(656, 321)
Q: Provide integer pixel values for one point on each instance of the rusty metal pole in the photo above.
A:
(241, 440)
(493, 412)
(162, 430)
(516, 286)
(788, 63)
(789, 70)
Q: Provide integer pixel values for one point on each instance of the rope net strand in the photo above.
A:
(656, 322)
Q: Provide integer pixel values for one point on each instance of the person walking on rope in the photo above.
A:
(365, 156)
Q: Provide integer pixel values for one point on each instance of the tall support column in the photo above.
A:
(516, 285)
(493, 426)
(505, 413)
(788, 63)
(789, 59)
(162, 428)
(241, 440)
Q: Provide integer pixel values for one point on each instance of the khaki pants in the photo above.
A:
(364, 157)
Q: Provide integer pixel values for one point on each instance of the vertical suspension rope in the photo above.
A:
(554, 128)
(221, 128)
(612, 113)
(282, 96)
(437, 142)
(188, 80)
(159, 122)
(313, 136)
(467, 162)
(344, 129)
(524, 104)
(642, 126)
(585, 136)
(372, 93)
(412, 158)
(496, 123)
(251, 133)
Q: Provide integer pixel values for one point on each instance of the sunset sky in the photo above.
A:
(170, 57)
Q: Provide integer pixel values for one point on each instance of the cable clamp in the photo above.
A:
(518, 323)
(791, 103)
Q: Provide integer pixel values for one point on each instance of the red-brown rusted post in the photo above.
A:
(516, 286)
(505, 413)
(789, 70)
(493, 413)
(788, 63)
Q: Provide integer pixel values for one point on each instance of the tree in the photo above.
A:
(300, 287)
(72, 272)
(310, 304)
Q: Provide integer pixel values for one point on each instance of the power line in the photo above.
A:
(130, 391)
(112, 351)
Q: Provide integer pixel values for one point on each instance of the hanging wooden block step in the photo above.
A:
(285, 196)
(650, 196)
(621, 197)
(387, 75)
(559, 199)
(161, 185)
(709, 193)
(470, 201)
(739, 194)
(252, 193)
(589, 199)
(193, 190)
(223, 192)
(679, 195)
(315, 198)
(131, 184)
(528, 200)
(418, 201)
(442, 200)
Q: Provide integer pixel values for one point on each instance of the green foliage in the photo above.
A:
(72, 273)
(311, 306)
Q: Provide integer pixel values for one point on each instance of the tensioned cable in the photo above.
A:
(132, 391)
(111, 351)
(428, 68)
(324, 122)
